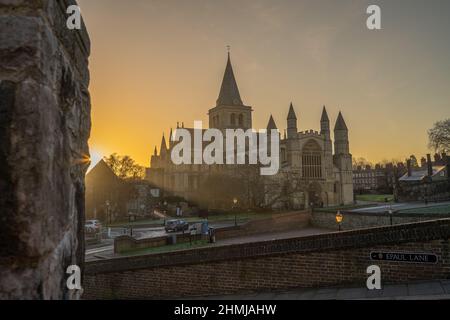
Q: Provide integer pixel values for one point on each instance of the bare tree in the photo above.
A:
(439, 136)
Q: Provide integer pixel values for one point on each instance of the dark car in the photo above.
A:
(176, 225)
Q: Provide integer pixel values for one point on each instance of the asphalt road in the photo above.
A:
(399, 206)
(107, 245)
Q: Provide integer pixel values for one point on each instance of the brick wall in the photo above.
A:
(320, 260)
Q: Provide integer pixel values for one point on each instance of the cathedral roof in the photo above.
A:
(324, 117)
(229, 91)
(271, 125)
(291, 114)
(340, 123)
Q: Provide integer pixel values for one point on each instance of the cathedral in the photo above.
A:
(310, 173)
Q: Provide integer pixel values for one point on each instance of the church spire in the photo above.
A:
(291, 123)
(340, 123)
(271, 125)
(324, 117)
(229, 92)
(170, 139)
(291, 114)
(325, 123)
(163, 149)
(155, 153)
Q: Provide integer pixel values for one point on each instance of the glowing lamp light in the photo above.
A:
(339, 217)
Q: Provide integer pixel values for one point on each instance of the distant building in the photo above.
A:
(379, 179)
(102, 192)
(429, 182)
(109, 198)
(144, 197)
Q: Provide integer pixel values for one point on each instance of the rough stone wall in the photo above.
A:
(434, 191)
(44, 128)
(354, 220)
(314, 261)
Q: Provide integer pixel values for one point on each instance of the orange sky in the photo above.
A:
(157, 62)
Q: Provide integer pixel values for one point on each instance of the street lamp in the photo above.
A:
(108, 213)
(235, 201)
(390, 215)
(339, 218)
(129, 224)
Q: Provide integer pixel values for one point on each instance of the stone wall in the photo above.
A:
(359, 220)
(313, 261)
(421, 191)
(125, 243)
(278, 222)
(44, 129)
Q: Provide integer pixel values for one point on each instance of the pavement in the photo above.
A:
(307, 231)
(399, 206)
(420, 290)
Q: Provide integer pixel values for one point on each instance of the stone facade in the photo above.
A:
(44, 129)
(310, 174)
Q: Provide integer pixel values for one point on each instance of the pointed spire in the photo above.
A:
(229, 92)
(324, 117)
(291, 114)
(163, 148)
(271, 125)
(170, 138)
(340, 123)
(155, 153)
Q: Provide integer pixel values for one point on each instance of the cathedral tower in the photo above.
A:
(291, 123)
(230, 112)
(343, 161)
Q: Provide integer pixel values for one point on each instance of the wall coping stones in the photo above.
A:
(404, 233)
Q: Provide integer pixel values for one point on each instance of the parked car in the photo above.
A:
(93, 226)
(176, 225)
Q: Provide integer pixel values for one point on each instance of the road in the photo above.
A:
(398, 206)
(106, 251)
(106, 248)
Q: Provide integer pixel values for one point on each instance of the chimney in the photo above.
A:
(408, 165)
(429, 165)
(446, 162)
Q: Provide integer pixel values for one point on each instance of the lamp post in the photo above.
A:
(235, 201)
(390, 215)
(108, 213)
(129, 224)
(339, 218)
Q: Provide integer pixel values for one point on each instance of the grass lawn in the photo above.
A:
(374, 197)
(438, 209)
(167, 248)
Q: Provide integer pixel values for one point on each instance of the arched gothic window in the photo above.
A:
(312, 160)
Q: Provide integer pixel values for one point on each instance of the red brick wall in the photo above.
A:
(322, 260)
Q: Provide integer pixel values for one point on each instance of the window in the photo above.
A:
(312, 160)
(233, 119)
(283, 155)
(241, 120)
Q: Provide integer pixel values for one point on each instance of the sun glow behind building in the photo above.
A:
(160, 62)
